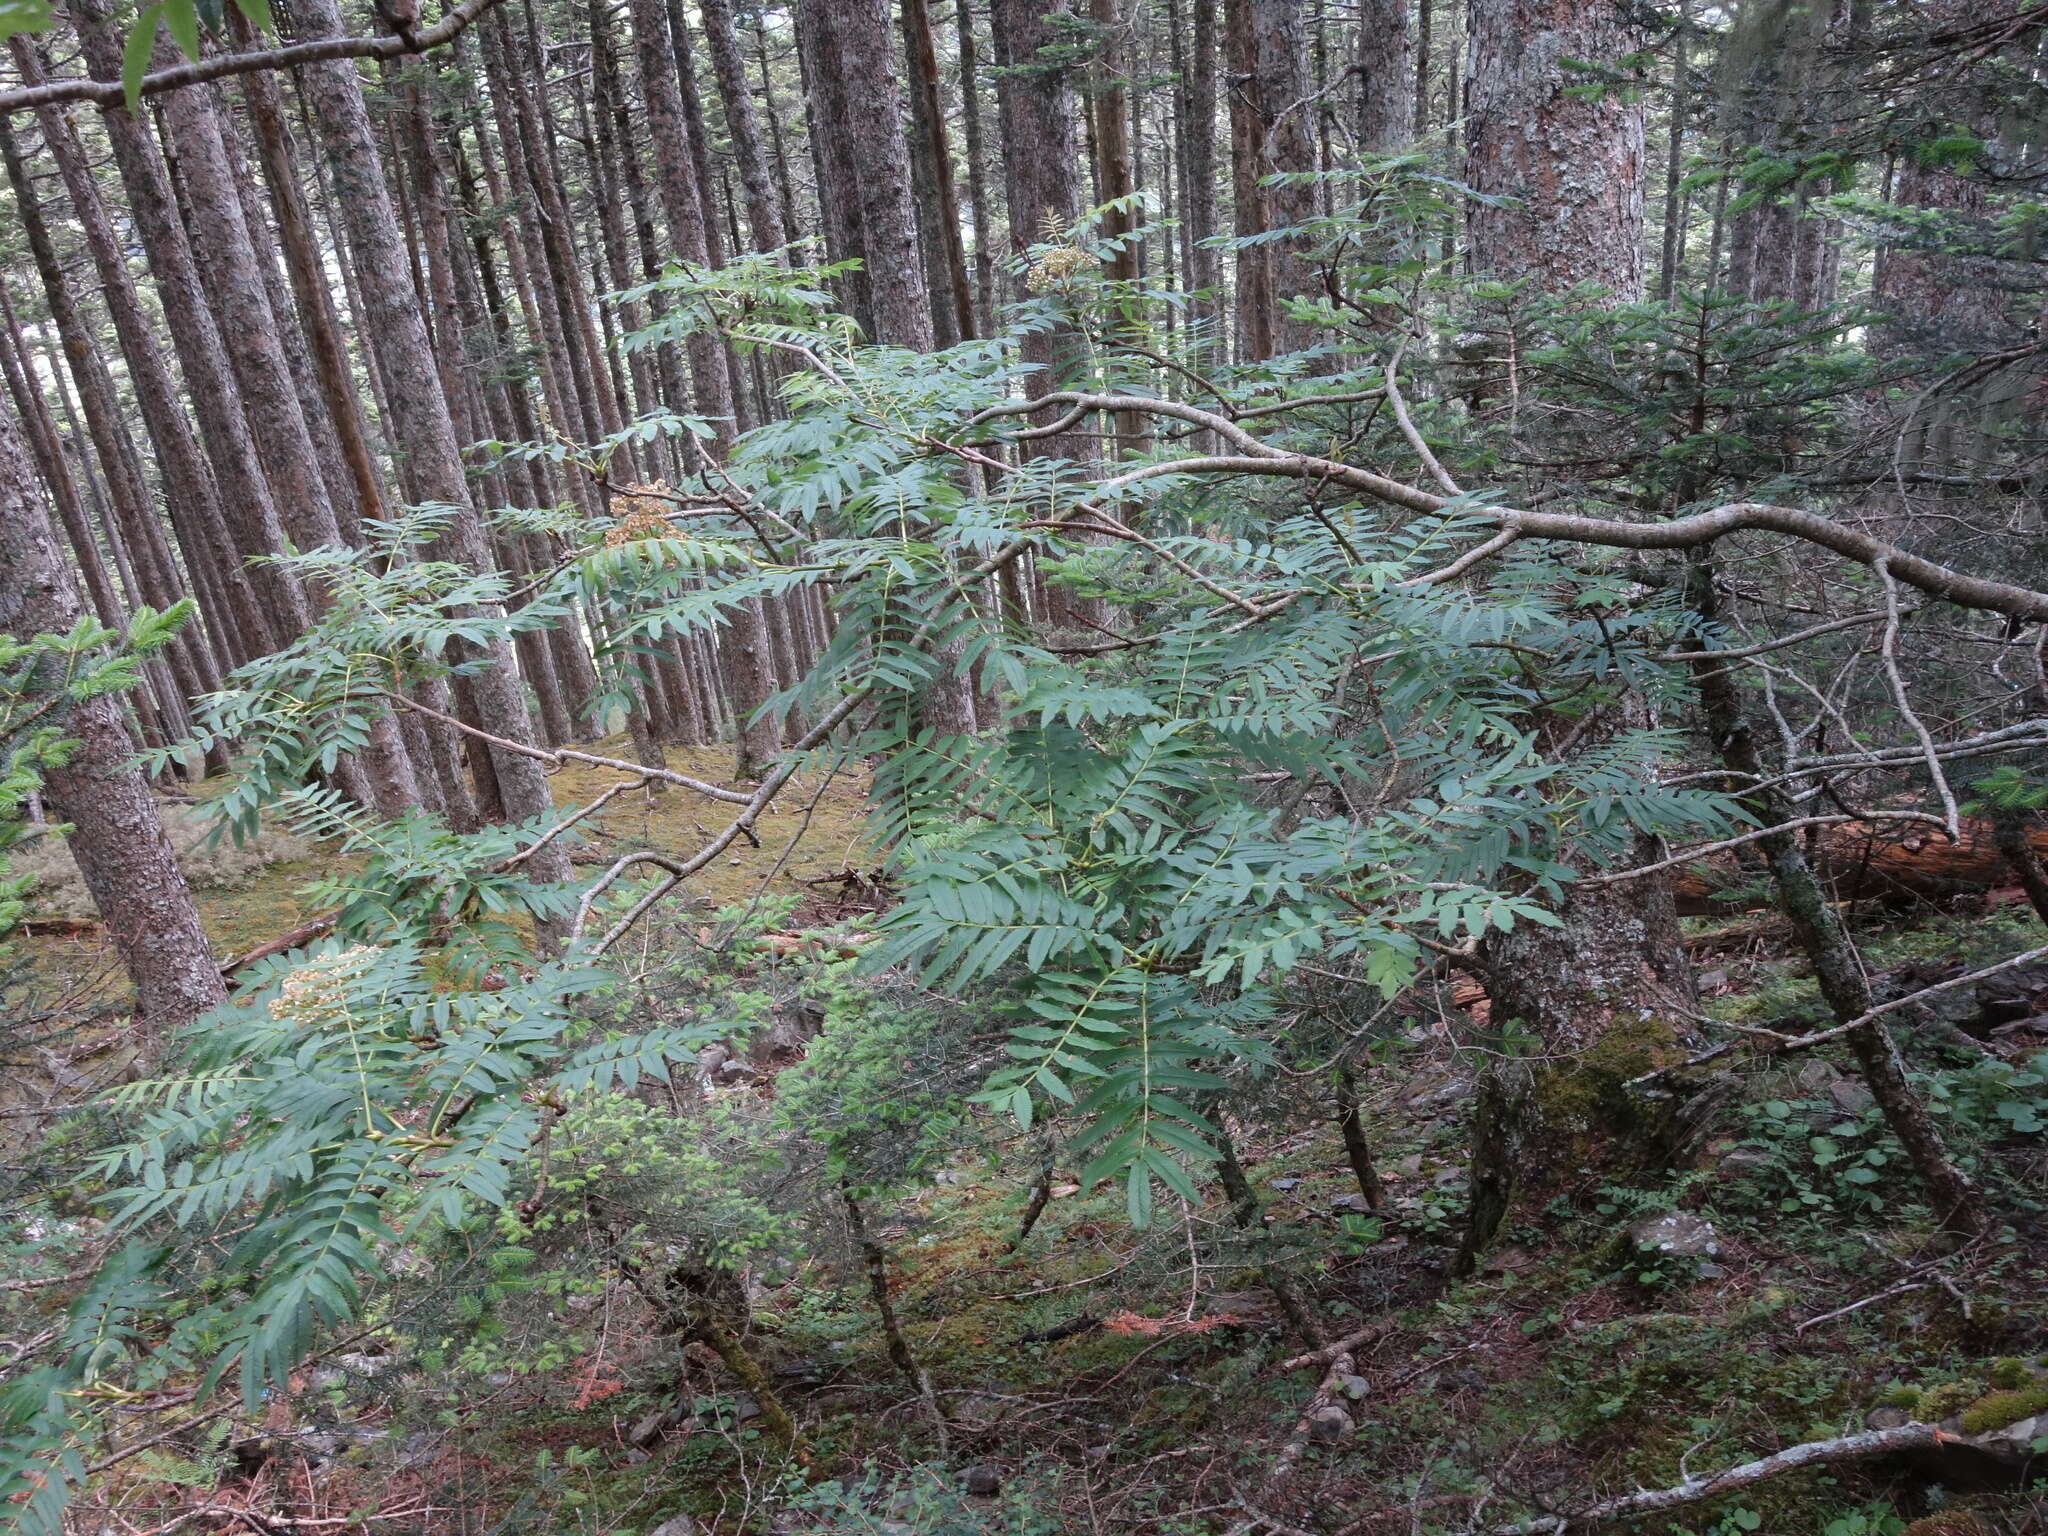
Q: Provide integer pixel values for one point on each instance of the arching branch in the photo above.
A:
(1692, 532)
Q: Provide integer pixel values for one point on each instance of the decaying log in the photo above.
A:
(1882, 863)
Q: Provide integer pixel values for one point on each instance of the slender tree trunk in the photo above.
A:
(118, 838)
(245, 493)
(306, 267)
(1425, 16)
(742, 124)
(393, 325)
(225, 252)
(750, 664)
(152, 572)
(1674, 163)
(1195, 136)
(1818, 927)
(1357, 1149)
(977, 171)
(49, 455)
(946, 254)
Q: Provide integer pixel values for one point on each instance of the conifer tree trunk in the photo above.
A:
(861, 114)
(1194, 123)
(742, 124)
(134, 512)
(1270, 133)
(1035, 106)
(1818, 927)
(239, 625)
(945, 253)
(977, 170)
(1386, 77)
(118, 838)
(1572, 165)
(245, 493)
(306, 270)
(420, 424)
(749, 661)
(34, 412)
(225, 251)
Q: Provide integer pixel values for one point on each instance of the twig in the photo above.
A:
(1857, 1306)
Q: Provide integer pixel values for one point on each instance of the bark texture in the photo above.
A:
(1272, 133)
(118, 838)
(1573, 166)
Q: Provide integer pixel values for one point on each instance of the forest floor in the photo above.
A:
(1104, 1379)
(812, 833)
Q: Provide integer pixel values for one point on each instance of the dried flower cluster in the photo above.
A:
(643, 514)
(315, 996)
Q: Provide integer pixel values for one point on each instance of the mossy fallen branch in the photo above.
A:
(1814, 1453)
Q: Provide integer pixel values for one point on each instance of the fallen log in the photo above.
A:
(1887, 864)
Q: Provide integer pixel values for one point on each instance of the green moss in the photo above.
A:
(1998, 1409)
(1590, 1092)
(1950, 1398)
(2011, 1373)
(1899, 1395)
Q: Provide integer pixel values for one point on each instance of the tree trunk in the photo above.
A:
(1601, 998)
(49, 454)
(861, 111)
(1387, 77)
(306, 267)
(1818, 927)
(421, 424)
(228, 268)
(245, 493)
(117, 837)
(1194, 124)
(750, 664)
(1572, 166)
(1035, 106)
(742, 124)
(153, 573)
(1270, 133)
(977, 171)
(945, 254)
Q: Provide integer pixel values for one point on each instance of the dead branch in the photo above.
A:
(1690, 532)
(109, 93)
(1814, 1453)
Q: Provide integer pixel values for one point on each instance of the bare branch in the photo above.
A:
(1888, 651)
(109, 93)
(1690, 532)
(561, 755)
(1814, 1453)
(1773, 1044)
(1757, 835)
